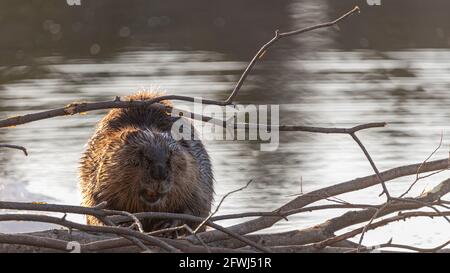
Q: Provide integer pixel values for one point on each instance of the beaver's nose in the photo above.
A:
(159, 172)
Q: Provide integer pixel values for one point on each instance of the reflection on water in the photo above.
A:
(317, 79)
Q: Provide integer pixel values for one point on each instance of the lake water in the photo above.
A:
(380, 66)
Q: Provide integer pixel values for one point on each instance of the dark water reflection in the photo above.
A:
(390, 64)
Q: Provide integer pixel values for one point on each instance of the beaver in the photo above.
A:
(135, 164)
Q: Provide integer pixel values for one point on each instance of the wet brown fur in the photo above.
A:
(107, 172)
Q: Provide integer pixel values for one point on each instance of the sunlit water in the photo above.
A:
(336, 88)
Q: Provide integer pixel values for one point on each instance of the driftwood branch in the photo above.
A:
(337, 189)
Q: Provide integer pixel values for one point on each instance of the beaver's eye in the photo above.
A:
(149, 160)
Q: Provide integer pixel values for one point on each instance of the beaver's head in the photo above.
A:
(151, 160)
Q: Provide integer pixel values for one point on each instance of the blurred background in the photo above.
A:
(390, 63)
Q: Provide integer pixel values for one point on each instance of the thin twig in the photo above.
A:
(23, 149)
(426, 160)
(277, 37)
(372, 163)
(375, 215)
(218, 206)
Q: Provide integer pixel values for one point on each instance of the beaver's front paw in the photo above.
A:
(170, 229)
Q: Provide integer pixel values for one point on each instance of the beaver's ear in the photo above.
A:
(166, 125)
(173, 118)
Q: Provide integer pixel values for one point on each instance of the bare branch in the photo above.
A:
(311, 197)
(277, 37)
(218, 206)
(417, 175)
(23, 149)
(82, 107)
(383, 222)
(104, 229)
(374, 167)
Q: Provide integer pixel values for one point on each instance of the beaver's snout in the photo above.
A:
(149, 197)
(159, 172)
(155, 189)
